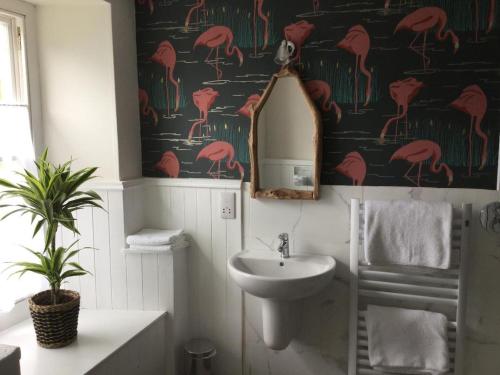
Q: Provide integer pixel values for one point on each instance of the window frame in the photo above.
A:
(32, 98)
(18, 63)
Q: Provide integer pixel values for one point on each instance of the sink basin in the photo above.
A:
(281, 285)
(262, 274)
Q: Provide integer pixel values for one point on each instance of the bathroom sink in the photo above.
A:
(281, 284)
(263, 274)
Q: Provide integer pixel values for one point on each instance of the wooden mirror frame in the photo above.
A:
(284, 193)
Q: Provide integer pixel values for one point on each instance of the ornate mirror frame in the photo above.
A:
(284, 193)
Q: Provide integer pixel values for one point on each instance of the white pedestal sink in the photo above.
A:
(281, 284)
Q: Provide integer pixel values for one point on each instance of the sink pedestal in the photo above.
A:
(279, 322)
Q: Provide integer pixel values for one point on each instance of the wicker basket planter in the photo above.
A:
(55, 325)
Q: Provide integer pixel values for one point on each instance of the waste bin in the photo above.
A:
(199, 355)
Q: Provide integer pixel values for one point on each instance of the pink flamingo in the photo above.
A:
(146, 109)
(473, 102)
(250, 104)
(257, 11)
(218, 151)
(420, 151)
(423, 20)
(318, 89)
(402, 92)
(491, 17)
(357, 42)
(297, 33)
(169, 164)
(165, 55)
(214, 38)
(315, 6)
(150, 3)
(354, 167)
(203, 100)
(200, 5)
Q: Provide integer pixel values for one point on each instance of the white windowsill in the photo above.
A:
(100, 334)
(19, 313)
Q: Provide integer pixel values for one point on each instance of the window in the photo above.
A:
(12, 66)
(16, 152)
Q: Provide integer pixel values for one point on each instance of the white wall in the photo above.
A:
(322, 227)
(215, 302)
(126, 88)
(216, 307)
(196, 291)
(121, 281)
(89, 86)
(77, 80)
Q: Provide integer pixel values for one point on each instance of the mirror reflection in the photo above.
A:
(286, 129)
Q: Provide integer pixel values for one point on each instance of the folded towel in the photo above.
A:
(407, 341)
(180, 244)
(154, 237)
(413, 233)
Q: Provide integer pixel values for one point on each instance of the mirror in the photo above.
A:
(285, 141)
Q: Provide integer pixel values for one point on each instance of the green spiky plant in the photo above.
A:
(51, 198)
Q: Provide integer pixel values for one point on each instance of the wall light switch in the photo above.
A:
(227, 205)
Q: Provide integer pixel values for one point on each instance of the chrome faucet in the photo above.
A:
(283, 247)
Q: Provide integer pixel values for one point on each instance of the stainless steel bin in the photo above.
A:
(199, 355)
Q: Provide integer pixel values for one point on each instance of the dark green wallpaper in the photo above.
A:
(409, 90)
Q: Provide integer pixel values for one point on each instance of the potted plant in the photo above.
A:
(51, 198)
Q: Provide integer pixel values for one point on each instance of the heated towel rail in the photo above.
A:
(409, 287)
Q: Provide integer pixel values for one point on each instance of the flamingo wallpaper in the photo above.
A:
(409, 89)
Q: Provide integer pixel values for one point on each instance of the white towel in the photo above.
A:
(180, 244)
(413, 233)
(154, 237)
(407, 341)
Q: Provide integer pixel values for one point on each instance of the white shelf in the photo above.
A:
(129, 251)
(100, 334)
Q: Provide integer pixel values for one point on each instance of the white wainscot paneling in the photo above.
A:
(214, 309)
(101, 238)
(215, 302)
(193, 286)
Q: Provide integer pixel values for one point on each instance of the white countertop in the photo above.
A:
(100, 333)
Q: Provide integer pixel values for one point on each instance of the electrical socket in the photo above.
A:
(227, 205)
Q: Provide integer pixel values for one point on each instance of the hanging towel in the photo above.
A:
(154, 237)
(413, 233)
(180, 244)
(407, 341)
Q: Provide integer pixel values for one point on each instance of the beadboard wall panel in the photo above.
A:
(118, 265)
(102, 256)
(117, 281)
(146, 281)
(215, 301)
